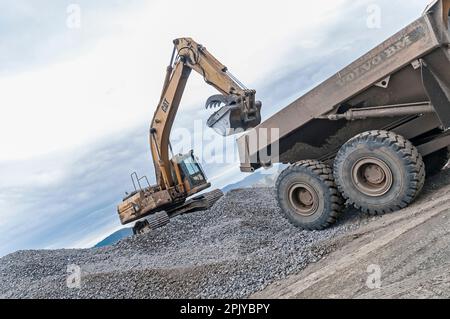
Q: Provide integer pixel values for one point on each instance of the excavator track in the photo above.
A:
(151, 223)
(198, 203)
(161, 219)
(212, 197)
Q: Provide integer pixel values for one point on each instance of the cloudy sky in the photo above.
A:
(77, 95)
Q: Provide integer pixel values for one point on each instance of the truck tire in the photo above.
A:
(379, 172)
(435, 162)
(308, 196)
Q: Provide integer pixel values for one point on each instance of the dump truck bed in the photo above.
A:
(411, 67)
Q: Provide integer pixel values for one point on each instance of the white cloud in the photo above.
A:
(116, 83)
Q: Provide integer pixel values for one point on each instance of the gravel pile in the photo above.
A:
(235, 249)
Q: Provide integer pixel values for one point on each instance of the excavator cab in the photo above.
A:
(192, 173)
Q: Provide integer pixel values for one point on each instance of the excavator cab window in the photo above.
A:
(192, 170)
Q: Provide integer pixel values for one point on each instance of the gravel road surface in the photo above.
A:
(243, 248)
(401, 255)
(233, 250)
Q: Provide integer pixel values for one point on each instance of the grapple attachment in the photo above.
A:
(236, 115)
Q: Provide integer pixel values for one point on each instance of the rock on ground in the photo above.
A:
(238, 247)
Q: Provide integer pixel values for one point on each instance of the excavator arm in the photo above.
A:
(181, 176)
(239, 111)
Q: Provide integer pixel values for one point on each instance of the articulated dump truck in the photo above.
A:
(368, 135)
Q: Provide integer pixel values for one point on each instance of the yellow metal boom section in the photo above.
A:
(189, 55)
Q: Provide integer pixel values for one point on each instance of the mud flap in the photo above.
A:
(438, 94)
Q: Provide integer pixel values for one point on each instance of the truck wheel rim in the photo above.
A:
(372, 176)
(304, 199)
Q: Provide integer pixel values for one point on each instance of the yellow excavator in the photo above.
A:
(181, 177)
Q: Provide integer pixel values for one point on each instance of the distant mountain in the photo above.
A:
(115, 237)
(258, 179)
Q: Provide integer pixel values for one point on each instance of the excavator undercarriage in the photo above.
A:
(145, 201)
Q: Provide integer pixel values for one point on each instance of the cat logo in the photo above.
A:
(165, 105)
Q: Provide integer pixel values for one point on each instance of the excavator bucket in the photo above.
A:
(232, 118)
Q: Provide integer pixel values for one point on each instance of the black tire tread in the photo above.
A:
(325, 174)
(409, 154)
